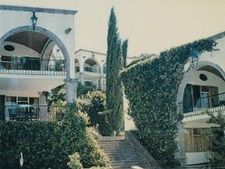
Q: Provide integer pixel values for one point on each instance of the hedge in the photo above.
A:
(151, 87)
(48, 144)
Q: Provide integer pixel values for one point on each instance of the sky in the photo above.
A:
(150, 26)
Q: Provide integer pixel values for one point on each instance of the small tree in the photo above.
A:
(115, 63)
(124, 52)
(218, 140)
(93, 103)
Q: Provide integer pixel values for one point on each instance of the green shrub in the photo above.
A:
(48, 144)
(57, 110)
(217, 136)
(92, 103)
(78, 139)
(57, 103)
(82, 89)
(38, 141)
(75, 161)
(151, 87)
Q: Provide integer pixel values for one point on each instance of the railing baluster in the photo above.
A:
(218, 105)
(32, 65)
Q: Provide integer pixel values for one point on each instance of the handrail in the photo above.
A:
(32, 66)
(142, 151)
(211, 101)
(31, 63)
(91, 69)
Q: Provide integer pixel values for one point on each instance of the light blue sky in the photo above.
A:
(150, 25)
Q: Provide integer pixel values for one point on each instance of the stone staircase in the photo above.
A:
(124, 153)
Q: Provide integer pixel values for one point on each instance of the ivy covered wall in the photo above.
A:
(151, 86)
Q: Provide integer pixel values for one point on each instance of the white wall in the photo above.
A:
(197, 158)
(82, 56)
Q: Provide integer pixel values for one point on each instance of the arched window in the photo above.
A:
(91, 65)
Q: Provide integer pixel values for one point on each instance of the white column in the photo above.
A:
(71, 90)
(181, 154)
(72, 67)
(43, 111)
(101, 82)
(7, 118)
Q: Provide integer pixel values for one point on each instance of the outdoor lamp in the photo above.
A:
(34, 20)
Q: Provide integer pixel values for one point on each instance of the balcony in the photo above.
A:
(21, 112)
(211, 103)
(31, 66)
(91, 69)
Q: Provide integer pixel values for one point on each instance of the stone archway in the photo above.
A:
(201, 64)
(70, 83)
(45, 32)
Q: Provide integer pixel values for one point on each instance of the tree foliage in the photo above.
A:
(218, 140)
(151, 87)
(115, 63)
(93, 103)
(124, 52)
(57, 103)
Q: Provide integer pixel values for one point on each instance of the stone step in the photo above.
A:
(121, 153)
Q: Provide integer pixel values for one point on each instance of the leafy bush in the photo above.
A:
(57, 110)
(151, 87)
(57, 103)
(36, 140)
(92, 103)
(75, 161)
(217, 134)
(76, 138)
(48, 144)
(82, 89)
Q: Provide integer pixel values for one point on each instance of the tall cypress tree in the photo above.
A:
(114, 64)
(124, 52)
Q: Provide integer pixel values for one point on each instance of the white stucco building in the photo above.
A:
(90, 68)
(202, 88)
(36, 55)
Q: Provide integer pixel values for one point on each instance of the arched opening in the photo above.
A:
(104, 68)
(202, 88)
(77, 66)
(90, 65)
(25, 49)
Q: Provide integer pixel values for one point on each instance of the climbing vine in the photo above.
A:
(151, 87)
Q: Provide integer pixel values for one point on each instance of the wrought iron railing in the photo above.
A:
(202, 103)
(21, 112)
(91, 69)
(31, 65)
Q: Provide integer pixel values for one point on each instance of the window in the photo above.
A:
(197, 97)
(197, 140)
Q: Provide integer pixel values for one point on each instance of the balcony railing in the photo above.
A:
(91, 69)
(21, 112)
(202, 103)
(31, 65)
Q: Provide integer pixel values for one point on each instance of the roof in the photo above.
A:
(90, 51)
(33, 40)
(37, 9)
(217, 36)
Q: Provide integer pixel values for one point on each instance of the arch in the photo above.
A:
(91, 67)
(77, 65)
(45, 32)
(202, 65)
